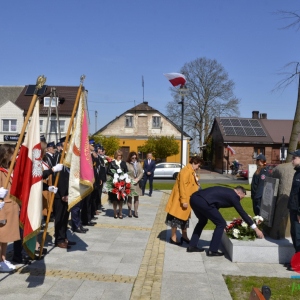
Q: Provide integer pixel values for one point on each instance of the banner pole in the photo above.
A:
(39, 83)
(61, 161)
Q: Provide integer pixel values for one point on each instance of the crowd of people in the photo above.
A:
(84, 213)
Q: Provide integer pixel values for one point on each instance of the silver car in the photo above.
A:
(167, 170)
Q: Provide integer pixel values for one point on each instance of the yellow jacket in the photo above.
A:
(185, 185)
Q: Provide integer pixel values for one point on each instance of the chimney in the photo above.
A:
(263, 116)
(255, 114)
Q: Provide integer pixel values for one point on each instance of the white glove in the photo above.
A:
(58, 168)
(2, 204)
(3, 193)
(52, 189)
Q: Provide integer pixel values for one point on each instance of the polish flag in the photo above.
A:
(176, 78)
(230, 149)
(27, 184)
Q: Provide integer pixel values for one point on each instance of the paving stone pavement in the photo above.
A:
(129, 259)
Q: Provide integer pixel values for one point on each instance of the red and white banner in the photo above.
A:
(230, 149)
(27, 184)
(79, 158)
(176, 79)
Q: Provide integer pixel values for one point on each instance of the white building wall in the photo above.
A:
(10, 111)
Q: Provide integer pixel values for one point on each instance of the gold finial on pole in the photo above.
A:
(40, 82)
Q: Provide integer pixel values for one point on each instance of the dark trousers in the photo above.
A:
(295, 230)
(256, 206)
(205, 212)
(75, 215)
(61, 220)
(98, 203)
(86, 213)
(19, 251)
(146, 177)
(94, 199)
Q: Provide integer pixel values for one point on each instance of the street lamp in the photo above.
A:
(182, 92)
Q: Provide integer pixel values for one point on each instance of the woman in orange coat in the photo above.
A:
(178, 206)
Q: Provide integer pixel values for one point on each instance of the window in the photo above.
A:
(53, 126)
(47, 101)
(41, 125)
(258, 151)
(155, 122)
(160, 166)
(142, 155)
(128, 121)
(9, 125)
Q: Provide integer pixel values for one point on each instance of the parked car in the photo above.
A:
(244, 173)
(167, 170)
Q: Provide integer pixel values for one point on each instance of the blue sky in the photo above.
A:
(115, 42)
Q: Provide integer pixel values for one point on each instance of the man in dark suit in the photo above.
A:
(206, 204)
(149, 168)
(50, 152)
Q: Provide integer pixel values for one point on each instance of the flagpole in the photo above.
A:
(39, 83)
(61, 161)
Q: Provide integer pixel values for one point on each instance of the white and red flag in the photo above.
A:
(230, 150)
(27, 184)
(79, 158)
(176, 79)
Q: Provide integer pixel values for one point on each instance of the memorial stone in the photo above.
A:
(281, 224)
(268, 201)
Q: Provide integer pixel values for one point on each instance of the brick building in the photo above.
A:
(248, 137)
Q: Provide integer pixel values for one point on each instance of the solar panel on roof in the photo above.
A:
(31, 88)
(225, 122)
(254, 123)
(229, 130)
(240, 131)
(235, 122)
(242, 127)
(259, 132)
(245, 123)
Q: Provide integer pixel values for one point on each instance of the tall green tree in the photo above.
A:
(111, 144)
(161, 146)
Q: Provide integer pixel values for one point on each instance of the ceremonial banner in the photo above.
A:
(27, 185)
(79, 159)
(230, 150)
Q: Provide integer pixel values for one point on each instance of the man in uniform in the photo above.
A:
(294, 205)
(50, 151)
(206, 204)
(61, 208)
(102, 174)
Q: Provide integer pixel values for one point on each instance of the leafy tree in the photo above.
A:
(161, 146)
(111, 144)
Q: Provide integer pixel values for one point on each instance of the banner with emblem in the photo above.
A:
(27, 184)
(78, 158)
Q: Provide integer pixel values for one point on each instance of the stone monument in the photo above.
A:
(280, 228)
(268, 201)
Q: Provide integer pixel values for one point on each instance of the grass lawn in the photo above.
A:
(227, 213)
(281, 288)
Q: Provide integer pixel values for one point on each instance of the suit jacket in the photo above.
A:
(50, 160)
(63, 183)
(149, 168)
(102, 171)
(222, 197)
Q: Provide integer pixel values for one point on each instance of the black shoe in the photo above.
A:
(194, 249)
(289, 268)
(84, 229)
(129, 213)
(89, 224)
(135, 215)
(184, 240)
(150, 195)
(211, 253)
(121, 217)
(94, 223)
(116, 217)
(94, 218)
(79, 230)
(174, 243)
(43, 252)
(143, 194)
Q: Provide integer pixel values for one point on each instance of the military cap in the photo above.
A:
(261, 156)
(43, 139)
(92, 142)
(58, 144)
(295, 153)
(51, 144)
(62, 140)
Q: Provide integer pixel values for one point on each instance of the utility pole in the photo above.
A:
(143, 87)
(57, 116)
(48, 115)
(96, 112)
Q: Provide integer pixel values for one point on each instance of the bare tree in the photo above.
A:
(210, 94)
(289, 78)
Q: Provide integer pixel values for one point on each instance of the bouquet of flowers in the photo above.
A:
(238, 229)
(107, 160)
(120, 184)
